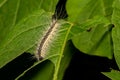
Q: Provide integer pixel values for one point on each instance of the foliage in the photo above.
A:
(92, 25)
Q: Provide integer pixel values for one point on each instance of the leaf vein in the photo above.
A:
(2, 3)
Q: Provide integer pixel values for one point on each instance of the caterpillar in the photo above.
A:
(60, 13)
(46, 39)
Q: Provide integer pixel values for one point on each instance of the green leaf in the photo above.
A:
(113, 75)
(87, 25)
(67, 55)
(82, 10)
(98, 34)
(49, 67)
(24, 36)
(97, 39)
(13, 11)
(56, 48)
(16, 29)
(116, 31)
(26, 31)
(43, 71)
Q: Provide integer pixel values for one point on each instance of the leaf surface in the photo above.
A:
(96, 40)
(19, 20)
(84, 10)
(49, 68)
(116, 31)
(24, 36)
(56, 51)
(113, 75)
(13, 11)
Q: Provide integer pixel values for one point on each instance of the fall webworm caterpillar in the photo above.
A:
(47, 37)
(49, 34)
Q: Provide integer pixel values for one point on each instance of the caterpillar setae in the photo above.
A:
(60, 13)
(47, 37)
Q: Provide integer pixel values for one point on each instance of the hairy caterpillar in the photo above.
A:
(47, 37)
(60, 13)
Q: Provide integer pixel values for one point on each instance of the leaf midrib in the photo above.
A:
(57, 66)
